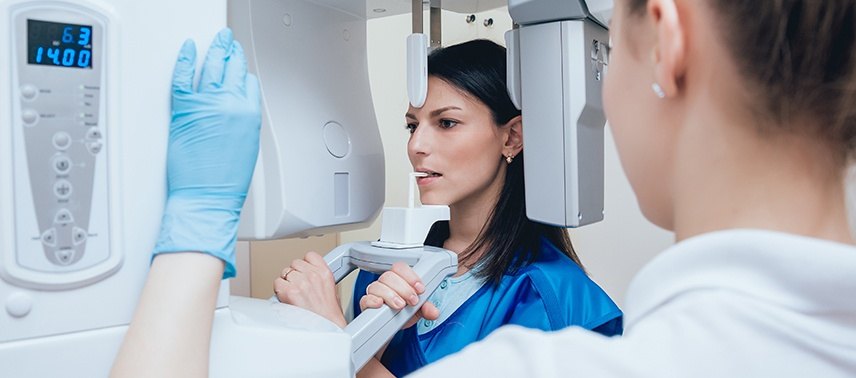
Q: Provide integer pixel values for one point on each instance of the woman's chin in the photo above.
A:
(432, 200)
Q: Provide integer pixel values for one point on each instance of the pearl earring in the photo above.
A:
(509, 158)
(658, 90)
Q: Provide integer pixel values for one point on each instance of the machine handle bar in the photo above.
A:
(374, 327)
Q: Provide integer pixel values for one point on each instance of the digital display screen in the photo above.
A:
(58, 44)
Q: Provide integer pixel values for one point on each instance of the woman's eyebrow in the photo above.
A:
(435, 112)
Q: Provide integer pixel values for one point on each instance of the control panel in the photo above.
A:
(60, 163)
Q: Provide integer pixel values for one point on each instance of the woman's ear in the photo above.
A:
(514, 140)
(670, 51)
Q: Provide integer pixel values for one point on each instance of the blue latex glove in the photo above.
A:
(213, 145)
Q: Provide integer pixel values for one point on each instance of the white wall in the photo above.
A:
(612, 251)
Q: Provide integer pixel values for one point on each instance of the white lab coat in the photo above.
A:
(741, 303)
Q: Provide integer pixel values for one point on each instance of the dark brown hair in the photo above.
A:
(799, 57)
(509, 239)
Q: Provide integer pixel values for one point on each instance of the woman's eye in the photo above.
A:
(448, 123)
(411, 127)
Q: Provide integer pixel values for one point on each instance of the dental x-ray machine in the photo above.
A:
(84, 109)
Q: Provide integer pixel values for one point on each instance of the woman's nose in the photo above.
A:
(420, 142)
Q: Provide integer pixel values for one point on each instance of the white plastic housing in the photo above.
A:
(409, 226)
(320, 166)
(417, 69)
(512, 66)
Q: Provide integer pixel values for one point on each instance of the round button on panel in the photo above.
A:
(62, 189)
(30, 117)
(49, 237)
(444, 284)
(29, 91)
(64, 256)
(19, 304)
(78, 235)
(63, 217)
(61, 140)
(336, 139)
(93, 133)
(62, 164)
(94, 147)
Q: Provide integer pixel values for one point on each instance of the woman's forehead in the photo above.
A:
(443, 95)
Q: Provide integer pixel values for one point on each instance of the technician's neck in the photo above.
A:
(747, 180)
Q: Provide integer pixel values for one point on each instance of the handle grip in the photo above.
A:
(374, 327)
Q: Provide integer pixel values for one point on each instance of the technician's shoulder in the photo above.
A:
(665, 345)
(520, 352)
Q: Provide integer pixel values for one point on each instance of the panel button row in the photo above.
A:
(94, 144)
(78, 236)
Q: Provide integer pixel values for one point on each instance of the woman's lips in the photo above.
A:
(425, 176)
(427, 180)
(428, 177)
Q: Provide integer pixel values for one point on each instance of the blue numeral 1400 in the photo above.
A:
(68, 57)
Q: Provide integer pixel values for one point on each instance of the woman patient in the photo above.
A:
(468, 137)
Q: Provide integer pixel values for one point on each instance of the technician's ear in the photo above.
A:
(669, 54)
(514, 140)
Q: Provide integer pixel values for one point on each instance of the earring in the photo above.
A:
(508, 158)
(658, 90)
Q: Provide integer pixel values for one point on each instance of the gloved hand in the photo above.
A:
(213, 146)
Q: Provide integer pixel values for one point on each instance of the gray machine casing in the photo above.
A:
(558, 59)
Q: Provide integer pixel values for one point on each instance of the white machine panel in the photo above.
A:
(320, 166)
(83, 132)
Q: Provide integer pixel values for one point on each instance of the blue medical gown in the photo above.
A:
(550, 294)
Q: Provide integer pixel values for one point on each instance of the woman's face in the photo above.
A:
(455, 140)
(636, 115)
